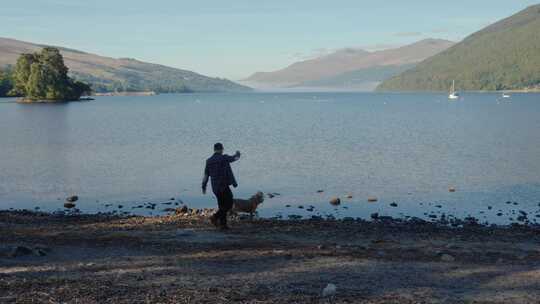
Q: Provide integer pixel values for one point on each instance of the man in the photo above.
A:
(218, 168)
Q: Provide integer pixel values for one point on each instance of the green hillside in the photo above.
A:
(107, 74)
(503, 56)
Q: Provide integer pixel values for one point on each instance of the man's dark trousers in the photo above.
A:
(225, 202)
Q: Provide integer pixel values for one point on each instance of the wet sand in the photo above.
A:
(182, 259)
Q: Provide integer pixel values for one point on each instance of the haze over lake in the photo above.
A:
(403, 148)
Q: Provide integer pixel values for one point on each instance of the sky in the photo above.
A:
(235, 38)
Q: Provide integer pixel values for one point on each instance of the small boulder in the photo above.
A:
(375, 215)
(329, 291)
(270, 195)
(20, 251)
(447, 258)
(69, 205)
(40, 252)
(72, 199)
(335, 201)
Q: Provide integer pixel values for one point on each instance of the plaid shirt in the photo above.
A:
(218, 168)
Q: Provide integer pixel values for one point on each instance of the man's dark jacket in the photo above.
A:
(218, 168)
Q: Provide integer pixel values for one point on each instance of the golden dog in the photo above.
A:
(249, 205)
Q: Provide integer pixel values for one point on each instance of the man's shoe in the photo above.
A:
(214, 220)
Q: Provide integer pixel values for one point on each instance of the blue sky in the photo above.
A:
(235, 38)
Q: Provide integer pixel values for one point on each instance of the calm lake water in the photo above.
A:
(403, 148)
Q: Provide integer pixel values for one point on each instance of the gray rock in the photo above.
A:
(72, 199)
(447, 258)
(69, 205)
(329, 291)
(21, 251)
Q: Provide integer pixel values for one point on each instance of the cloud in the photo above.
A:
(440, 30)
(378, 47)
(408, 34)
(315, 53)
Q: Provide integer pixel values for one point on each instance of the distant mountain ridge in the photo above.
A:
(502, 56)
(125, 74)
(351, 62)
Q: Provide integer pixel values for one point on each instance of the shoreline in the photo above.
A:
(29, 101)
(180, 258)
(144, 93)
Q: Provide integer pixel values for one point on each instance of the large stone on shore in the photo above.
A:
(69, 205)
(329, 291)
(72, 199)
(447, 258)
(335, 201)
(20, 251)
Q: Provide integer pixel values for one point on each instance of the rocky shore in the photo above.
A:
(180, 258)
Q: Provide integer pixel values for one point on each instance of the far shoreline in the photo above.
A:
(47, 101)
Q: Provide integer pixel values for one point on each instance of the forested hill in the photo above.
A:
(109, 74)
(503, 56)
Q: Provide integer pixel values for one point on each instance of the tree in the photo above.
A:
(44, 76)
(6, 82)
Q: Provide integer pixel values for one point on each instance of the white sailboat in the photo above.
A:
(453, 94)
(505, 95)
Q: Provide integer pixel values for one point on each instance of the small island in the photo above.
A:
(42, 77)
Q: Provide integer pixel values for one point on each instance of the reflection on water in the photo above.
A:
(403, 148)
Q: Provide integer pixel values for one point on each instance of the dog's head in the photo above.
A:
(258, 198)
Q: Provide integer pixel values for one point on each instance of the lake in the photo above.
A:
(403, 148)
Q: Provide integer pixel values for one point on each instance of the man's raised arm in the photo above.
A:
(233, 158)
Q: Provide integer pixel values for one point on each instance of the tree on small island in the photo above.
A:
(43, 76)
(6, 82)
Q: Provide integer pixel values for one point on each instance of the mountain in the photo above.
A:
(366, 79)
(350, 62)
(124, 74)
(502, 56)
